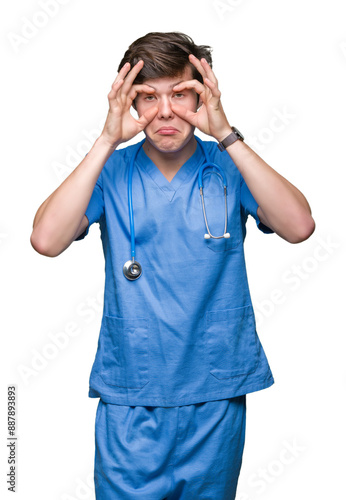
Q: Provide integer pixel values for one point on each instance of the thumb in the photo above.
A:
(148, 116)
(184, 113)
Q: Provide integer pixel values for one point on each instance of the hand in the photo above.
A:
(210, 118)
(120, 125)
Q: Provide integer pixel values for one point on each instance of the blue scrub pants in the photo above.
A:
(183, 452)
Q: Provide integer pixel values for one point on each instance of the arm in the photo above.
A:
(282, 207)
(61, 217)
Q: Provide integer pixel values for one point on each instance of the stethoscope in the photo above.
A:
(132, 269)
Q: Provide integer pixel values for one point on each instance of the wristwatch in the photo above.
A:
(230, 139)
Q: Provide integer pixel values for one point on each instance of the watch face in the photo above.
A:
(238, 133)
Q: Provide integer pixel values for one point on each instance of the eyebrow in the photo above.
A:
(171, 86)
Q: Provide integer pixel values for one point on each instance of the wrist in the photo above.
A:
(112, 145)
(221, 136)
(229, 140)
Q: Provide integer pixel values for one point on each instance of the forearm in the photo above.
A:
(59, 217)
(41, 210)
(281, 205)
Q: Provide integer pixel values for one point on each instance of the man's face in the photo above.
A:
(167, 132)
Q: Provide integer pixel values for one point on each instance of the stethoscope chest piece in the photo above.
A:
(132, 270)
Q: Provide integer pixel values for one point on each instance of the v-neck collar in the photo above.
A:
(169, 188)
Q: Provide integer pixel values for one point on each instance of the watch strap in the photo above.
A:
(230, 139)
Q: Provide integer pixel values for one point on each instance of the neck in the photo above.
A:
(170, 162)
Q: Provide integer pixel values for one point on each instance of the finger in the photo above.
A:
(140, 89)
(203, 67)
(190, 84)
(213, 87)
(123, 72)
(114, 90)
(198, 65)
(120, 76)
(130, 78)
(208, 71)
(119, 80)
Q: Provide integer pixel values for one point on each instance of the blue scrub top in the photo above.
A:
(184, 332)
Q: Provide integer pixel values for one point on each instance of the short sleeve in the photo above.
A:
(95, 209)
(249, 207)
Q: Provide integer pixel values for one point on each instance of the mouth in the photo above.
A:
(167, 131)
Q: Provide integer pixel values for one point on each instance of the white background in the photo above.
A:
(270, 57)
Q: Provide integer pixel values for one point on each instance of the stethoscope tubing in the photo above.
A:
(130, 198)
(132, 269)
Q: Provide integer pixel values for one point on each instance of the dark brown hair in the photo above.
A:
(165, 55)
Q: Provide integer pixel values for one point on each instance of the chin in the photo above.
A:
(169, 146)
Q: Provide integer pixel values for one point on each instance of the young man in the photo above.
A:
(178, 348)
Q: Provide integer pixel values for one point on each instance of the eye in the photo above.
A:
(179, 95)
(149, 98)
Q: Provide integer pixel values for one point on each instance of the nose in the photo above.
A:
(165, 109)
